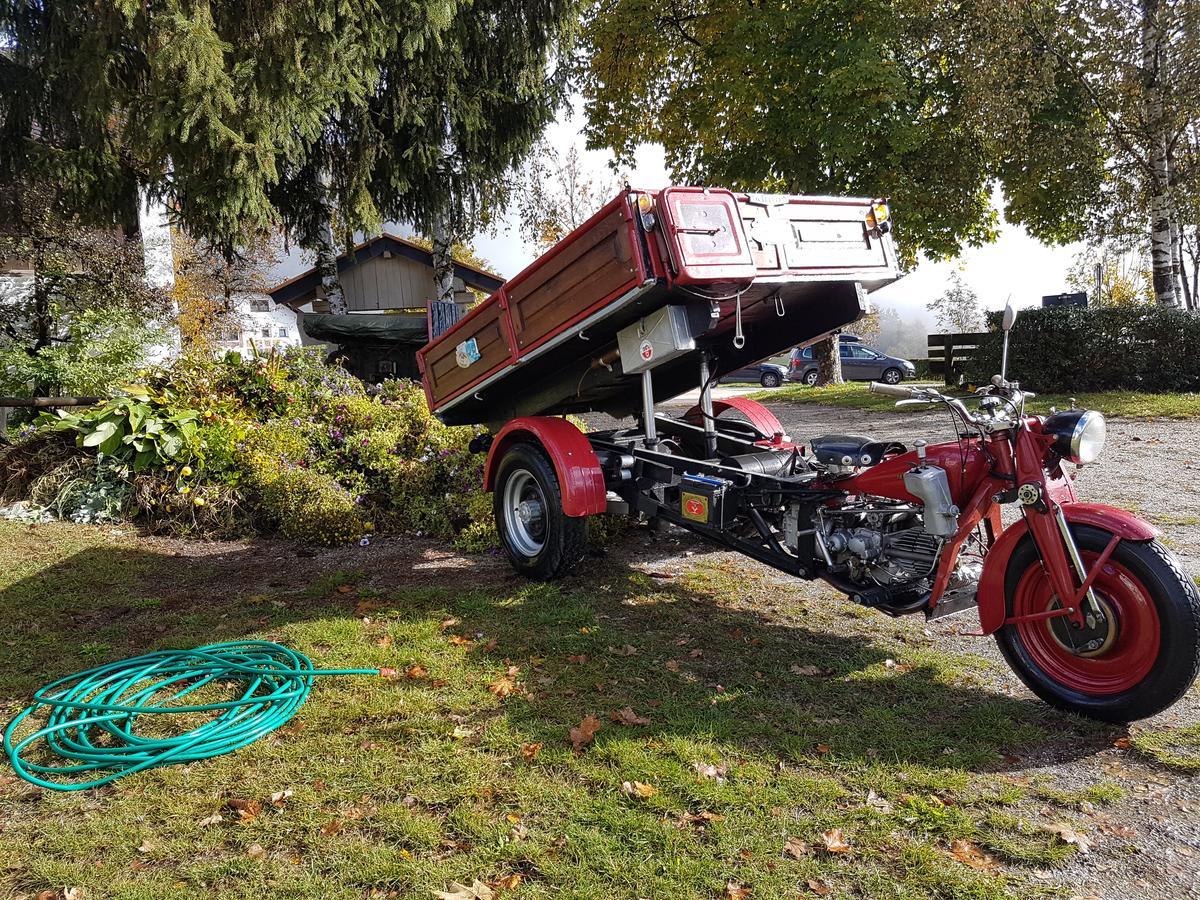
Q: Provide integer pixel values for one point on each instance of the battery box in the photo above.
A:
(703, 500)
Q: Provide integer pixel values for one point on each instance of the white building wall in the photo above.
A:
(262, 325)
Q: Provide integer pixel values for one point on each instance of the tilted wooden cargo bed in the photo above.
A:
(789, 268)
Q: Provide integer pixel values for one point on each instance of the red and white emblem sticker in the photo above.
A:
(647, 350)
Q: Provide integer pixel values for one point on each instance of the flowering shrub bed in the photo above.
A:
(232, 446)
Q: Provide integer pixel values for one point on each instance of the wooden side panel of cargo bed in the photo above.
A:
(580, 273)
(485, 324)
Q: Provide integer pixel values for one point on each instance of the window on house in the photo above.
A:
(260, 304)
(282, 331)
(266, 332)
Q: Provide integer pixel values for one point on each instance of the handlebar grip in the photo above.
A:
(890, 390)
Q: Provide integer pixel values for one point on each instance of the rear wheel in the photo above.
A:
(770, 380)
(542, 542)
(810, 377)
(892, 376)
(1135, 659)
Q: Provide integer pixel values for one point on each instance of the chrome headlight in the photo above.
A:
(1078, 434)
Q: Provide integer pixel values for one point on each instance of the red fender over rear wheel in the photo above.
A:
(1135, 660)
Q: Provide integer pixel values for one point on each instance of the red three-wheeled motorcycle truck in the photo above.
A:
(661, 291)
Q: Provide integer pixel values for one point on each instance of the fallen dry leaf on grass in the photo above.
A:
(878, 803)
(529, 752)
(477, 891)
(627, 716)
(585, 732)
(502, 687)
(627, 650)
(1122, 743)
(819, 887)
(256, 851)
(247, 810)
(806, 670)
(969, 854)
(701, 818)
(448, 623)
(823, 749)
(214, 819)
(795, 848)
(507, 883)
(672, 665)
(835, 841)
(459, 640)
(578, 659)
(462, 731)
(735, 891)
(279, 798)
(1069, 835)
(416, 671)
(638, 789)
(385, 641)
(345, 588)
(146, 847)
(711, 772)
(332, 827)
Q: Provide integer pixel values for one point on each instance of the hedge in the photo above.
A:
(1073, 348)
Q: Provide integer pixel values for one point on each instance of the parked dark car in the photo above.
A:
(769, 375)
(859, 363)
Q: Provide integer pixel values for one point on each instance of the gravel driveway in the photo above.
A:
(1147, 845)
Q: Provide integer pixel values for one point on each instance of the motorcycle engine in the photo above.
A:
(878, 545)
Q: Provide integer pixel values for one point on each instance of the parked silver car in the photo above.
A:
(859, 363)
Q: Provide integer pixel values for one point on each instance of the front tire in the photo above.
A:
(892, 376)
(1136, 661)
(541, 541)
(770, 380)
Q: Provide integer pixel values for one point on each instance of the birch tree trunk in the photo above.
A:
(327, 254)
(443, 260)
(1162, 258)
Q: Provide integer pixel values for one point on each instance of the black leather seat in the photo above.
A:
(852, 449)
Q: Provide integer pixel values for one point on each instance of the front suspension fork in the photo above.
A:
(1061, 557)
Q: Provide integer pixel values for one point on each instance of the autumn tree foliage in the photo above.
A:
(559, 193)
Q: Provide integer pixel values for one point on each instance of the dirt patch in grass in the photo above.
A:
(748, 732)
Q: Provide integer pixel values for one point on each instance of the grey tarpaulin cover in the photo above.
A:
(384, 330)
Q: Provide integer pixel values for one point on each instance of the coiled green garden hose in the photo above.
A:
(94, 715)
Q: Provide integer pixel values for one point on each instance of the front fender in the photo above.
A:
(580, 477)
(990, 596)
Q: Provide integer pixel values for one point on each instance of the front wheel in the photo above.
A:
(542, 541)
(1135, 659)
(770, 380)
(892, 376)
(810, 378)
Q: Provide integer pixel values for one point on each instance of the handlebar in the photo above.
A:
(890, 390)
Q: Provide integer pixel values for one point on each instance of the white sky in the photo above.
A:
(1015, 264)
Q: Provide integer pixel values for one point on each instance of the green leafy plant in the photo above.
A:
(140, 428)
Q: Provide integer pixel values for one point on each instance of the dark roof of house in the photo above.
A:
(298, 286)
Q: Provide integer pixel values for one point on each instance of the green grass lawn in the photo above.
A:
(1131, 404)
(760, 728)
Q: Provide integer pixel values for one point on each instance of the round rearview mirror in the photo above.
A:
(1010, 316)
